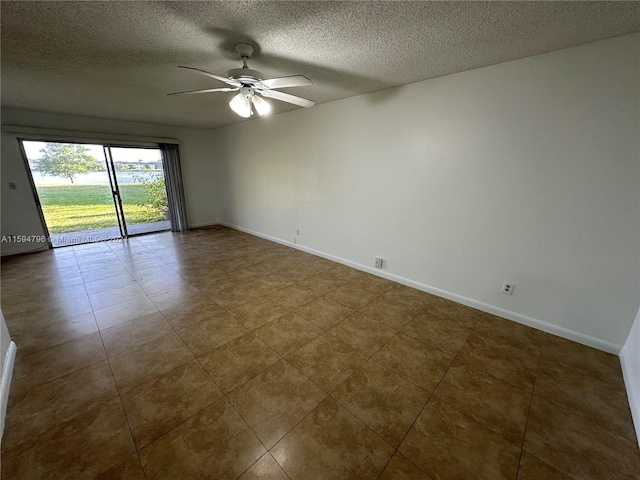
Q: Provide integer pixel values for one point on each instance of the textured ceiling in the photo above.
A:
(118, 59)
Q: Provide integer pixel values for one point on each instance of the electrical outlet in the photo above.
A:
(298, 231)
(377, 262)
(507, 288)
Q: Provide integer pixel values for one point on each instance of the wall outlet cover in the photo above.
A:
(507, 288)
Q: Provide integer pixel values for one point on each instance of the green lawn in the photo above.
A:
(75, 208)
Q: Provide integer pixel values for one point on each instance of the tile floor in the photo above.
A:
(218, 355)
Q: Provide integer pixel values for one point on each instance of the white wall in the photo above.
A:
(630, 361)
(19, 213)
(525, 171)
(7, 360)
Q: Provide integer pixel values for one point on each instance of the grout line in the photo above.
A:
(138, 450)
(58, 345)
(144, 473)
(183, 253)
(144, 447)
(68, 419)
(363, 422)
(473, 367)
(225, 396)
(124, 411)
(279, 466)
(284, 359)
(526, 425)
(251, 466)
(431, 395)
(387, 464)
(330, 394)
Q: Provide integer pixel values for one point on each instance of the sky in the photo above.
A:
(120, 154)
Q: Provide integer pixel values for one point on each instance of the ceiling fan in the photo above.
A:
(250, 84)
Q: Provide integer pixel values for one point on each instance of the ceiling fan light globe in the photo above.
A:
(262, 106)
(241, 105)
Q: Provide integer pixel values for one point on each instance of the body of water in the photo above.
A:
(93, 178)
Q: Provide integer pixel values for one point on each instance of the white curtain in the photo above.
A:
(175, 190)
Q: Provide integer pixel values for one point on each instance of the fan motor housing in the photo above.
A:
(245, 75)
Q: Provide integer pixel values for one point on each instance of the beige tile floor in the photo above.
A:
(218, 355)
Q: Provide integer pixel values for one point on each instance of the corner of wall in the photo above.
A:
(630, 363)
(7, 360)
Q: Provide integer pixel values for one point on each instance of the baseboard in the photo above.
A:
(205, 224)
(485, 307)
(633, 388)
(20, 249)
(7, 373)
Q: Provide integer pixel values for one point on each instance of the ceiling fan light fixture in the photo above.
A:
(241, 104)
(250, 83)
(262, 106)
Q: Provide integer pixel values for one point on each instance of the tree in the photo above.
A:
(156, 190)
(66, 160)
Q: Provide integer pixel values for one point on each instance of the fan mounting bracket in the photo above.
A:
(244, 50)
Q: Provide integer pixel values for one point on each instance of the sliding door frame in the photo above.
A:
(34, 191)
(115, 191)
(113, 181)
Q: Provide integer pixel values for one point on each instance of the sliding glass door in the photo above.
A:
(91, 192)
(141, 184)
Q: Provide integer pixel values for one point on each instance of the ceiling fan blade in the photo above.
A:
(285, 97)
(229, 81)
(207, 90)
(291, 81)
